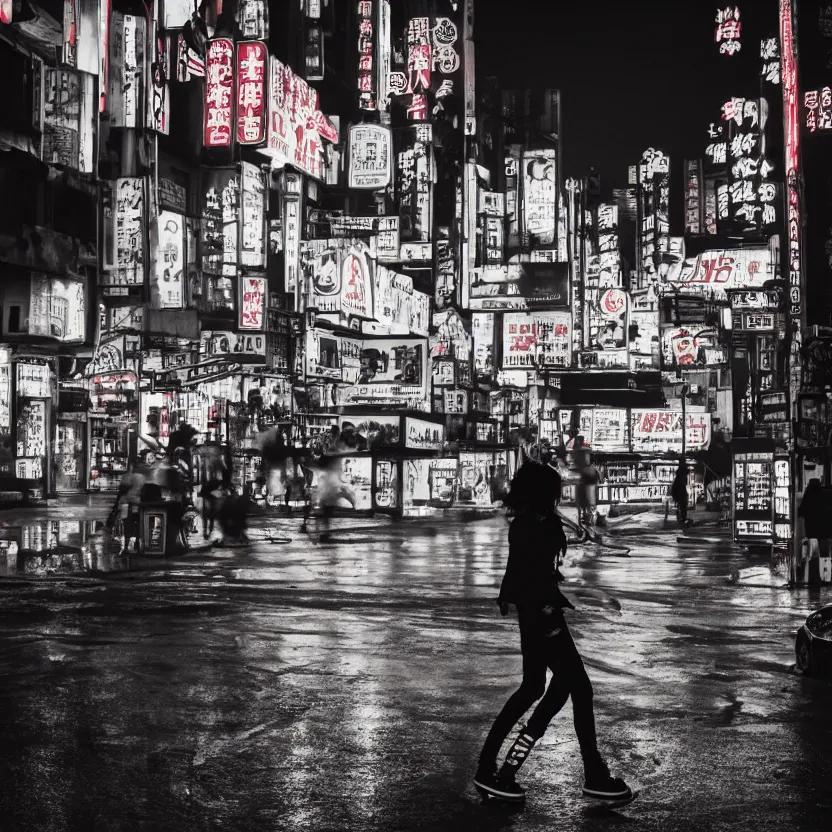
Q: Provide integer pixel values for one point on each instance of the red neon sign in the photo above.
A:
(219, 93)
(251, 92)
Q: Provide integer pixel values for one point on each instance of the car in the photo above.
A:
(813, 644)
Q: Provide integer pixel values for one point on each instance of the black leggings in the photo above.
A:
(569, 678)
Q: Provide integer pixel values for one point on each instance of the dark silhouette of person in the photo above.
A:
(814, 510)
(536, 543)
(679, 492)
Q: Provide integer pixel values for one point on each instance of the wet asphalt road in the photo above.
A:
(343, 687)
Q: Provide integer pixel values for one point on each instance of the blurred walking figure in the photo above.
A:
(586, 490)
(536, 544)
(679, 492)
(232, 515)
(814, 511)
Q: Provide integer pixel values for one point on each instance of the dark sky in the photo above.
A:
(633, 74)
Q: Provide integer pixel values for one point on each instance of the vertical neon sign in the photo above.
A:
(791, 130)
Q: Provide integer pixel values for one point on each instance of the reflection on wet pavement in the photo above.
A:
(349, 686)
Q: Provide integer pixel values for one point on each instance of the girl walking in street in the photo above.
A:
(536, 543)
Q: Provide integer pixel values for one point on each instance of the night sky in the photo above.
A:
(632, 74)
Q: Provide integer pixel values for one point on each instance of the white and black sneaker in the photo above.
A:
(599, 785)
(491, 784)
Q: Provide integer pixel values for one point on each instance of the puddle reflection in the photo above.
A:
(50, 547)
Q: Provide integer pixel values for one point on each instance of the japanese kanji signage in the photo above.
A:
(367, 98)
(252, 63)
(728, 30)
(219, 93)
(252, 302)
(818, 104)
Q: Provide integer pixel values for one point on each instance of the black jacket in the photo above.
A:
(534, 543)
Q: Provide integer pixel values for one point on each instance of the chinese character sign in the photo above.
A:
(294, 136)
(540, 201)
(540, 339)
(818, 104)
(661, 431)
(219, 93)
(728, 30)
(367, 99)
(252, 302)
(252, 61)
(752, 194)
(770, 60)
(693, 199)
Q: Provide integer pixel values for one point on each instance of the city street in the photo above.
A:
(299, 686)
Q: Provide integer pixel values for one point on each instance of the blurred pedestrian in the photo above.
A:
(586, 490)
(232, 515)
(814, 511)
(679, 492)
(537, 542)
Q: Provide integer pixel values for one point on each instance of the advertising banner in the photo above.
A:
(291, 242)
(660, 431)
(32, 431)
(220, 221)
(386, 491)
(371, 157)
(714, 272)
(605, 430)
(536, 339)
(167, 287)
(341, 274)
(219, 93)
(242, 347)
(357, 278)
(253, 291)
(379, 430)
(643, 332)
(540, 197)
(393, 372)
(57, 308)
(68, 119)
(252, 66)
(126, 70)
(367, 57)
(691, 346)
(399, 309)
(482, 331)
(422, 435)
(128, 219)
(253, 216)
(158, 94)
(294, 119)
(414, 166)
(323, 355)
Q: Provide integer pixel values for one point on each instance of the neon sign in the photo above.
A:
(728, 30)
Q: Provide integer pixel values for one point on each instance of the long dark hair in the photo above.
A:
(535, 487)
